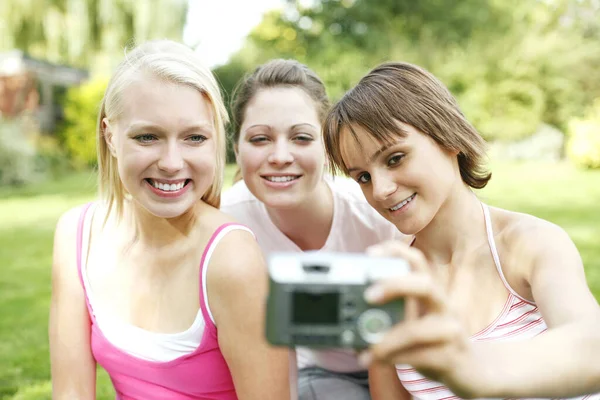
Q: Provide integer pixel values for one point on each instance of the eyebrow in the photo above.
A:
(302, 124)
(292, 127)
(202, 127)
(373, 156)
(257, 125)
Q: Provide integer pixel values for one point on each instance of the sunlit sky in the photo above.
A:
(216, 28)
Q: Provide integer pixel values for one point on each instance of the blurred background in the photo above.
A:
(525, 72)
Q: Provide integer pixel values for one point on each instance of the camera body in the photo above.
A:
(316, 299)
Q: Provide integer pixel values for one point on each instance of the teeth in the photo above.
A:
(281, 178)
(405, 202)
(168, 187)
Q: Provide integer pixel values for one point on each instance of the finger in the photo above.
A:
(411, 309)
(407, 336)
(433, 361)
(420, 286)
(396, 248)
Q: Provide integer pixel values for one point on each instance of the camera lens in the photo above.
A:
(372, 325)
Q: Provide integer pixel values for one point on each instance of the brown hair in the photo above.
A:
(276, 73)
(404, 92)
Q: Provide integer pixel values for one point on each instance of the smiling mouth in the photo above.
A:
(168, 187)
(280, 179)
(403, 202)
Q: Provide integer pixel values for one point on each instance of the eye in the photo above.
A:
(258, 139)
(303, 138)
(145, 138)
(395, 159)
(363, 178)
(197, 138)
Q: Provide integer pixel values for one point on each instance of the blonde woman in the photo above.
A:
(145, 282)
(498, 303)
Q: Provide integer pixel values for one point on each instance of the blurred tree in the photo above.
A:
(77, 133)
(86, 33)
(512, 64)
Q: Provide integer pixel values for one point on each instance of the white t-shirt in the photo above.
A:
(356, 226)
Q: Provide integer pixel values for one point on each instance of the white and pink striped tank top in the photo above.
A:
(519, 319)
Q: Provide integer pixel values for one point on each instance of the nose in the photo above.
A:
(171, 159)
(383, 186)
(281, 154)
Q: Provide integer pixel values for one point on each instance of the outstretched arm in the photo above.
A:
(562, 362)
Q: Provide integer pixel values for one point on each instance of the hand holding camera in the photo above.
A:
(431, 338)
(386, 304)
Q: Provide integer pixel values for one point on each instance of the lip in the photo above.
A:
(280, 185)
(169, 194)
(168, 181)
(404, 208)
(280, 174)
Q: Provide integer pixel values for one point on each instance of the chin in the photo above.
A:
(168, 211)
(410, 227)
(281, 202)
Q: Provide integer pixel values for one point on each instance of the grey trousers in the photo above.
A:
(320, 384)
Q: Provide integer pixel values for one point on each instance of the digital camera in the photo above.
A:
(316, 299)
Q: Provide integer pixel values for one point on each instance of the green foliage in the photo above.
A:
(81, 113)
(583, 147)
(51, 155)
(512, 64)
(39, 391)
(228, 76)
(510, 110)
(87, 33)
(19, 160)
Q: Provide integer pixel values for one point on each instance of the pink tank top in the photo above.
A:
(202, 374)
(519, 319)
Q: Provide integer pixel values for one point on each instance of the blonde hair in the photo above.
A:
(173, 63)
(404, 92)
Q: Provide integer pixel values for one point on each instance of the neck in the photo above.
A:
(457, 227)
(308, 224)
(158, 232)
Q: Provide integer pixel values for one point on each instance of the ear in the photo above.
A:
(451, 152)
(107, 132)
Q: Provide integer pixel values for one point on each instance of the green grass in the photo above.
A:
(558, 193)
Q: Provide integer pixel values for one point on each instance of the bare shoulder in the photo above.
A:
(518, 229)
(64, 258)
(526, 242)
(237, 275)
(65, 234)
(237, 257)
(236, 263)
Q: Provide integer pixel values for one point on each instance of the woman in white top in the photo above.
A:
(289, 203)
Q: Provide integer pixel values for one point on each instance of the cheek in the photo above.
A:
(312, 157)
(250, 158)
(133, 161)
(368, 193)
(132, 154)
(203, 158)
